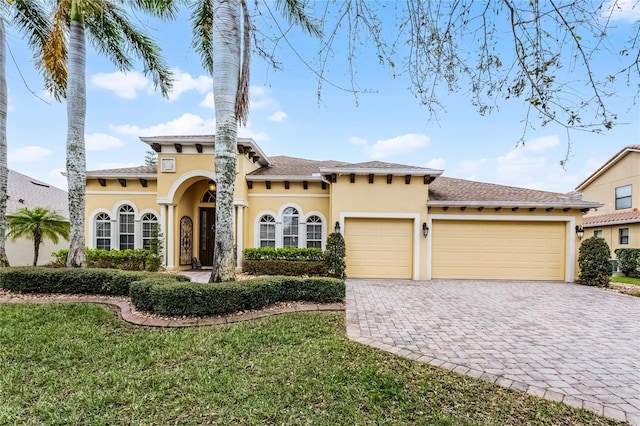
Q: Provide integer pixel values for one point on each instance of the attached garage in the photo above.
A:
(379, 248)
(486, 249)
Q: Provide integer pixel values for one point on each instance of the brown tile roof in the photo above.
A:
(282, 165)
(445, 189)
(34, 193)
(381, 165)
(125, 171)
(618, 218)
(614, 159)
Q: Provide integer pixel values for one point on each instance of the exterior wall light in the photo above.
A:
(425, 229)
(212, 185)
(337, 228)
(579, 231)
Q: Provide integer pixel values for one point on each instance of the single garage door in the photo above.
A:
(498, 250)
(379, 248)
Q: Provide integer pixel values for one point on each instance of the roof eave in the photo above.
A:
(382, 171)
(524, 204)
(279, 178)
(612, 223)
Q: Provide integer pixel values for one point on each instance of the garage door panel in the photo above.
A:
(498, 250)
(379, 248)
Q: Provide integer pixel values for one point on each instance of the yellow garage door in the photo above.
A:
(498, 250)
(379, 248)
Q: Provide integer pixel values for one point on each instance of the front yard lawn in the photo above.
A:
(625, 280)
(79, 364)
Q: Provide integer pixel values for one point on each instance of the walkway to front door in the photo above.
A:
(564, 342)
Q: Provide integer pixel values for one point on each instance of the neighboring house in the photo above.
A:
(24, 191)
(616, 184)
(398, 221)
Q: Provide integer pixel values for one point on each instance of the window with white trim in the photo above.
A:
(149, 229)
(623, 197)
(290, 221)
(267, 231)
(314, 232)
(103, 231)
(126, 224)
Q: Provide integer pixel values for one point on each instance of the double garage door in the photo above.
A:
(498, 250)
(464, 249)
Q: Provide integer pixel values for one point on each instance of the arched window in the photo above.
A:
(209, 196)
(126, 225)
(290, 219)
(103, 231)
(267, 231)
(314, 232)
(149, 229)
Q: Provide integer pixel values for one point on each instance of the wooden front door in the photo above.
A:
(207, 235)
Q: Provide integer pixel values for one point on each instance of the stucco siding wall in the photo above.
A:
(612, 237)
(20, 252)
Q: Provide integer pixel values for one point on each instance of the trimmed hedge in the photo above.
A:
(286, 253)
(172, 298)
(74, 281)
(629, 261)
(593, 259)
(128, 260)
(283, 267)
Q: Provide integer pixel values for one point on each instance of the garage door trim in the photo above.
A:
(416, 231)
(570, 236)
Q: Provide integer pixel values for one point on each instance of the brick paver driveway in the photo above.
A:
(565, 342)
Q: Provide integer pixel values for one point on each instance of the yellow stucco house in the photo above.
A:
(398, 221)
(616, 184)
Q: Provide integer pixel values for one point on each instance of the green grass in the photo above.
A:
(79, 364)
(625, 280)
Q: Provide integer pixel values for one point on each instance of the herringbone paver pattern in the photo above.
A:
(565, 342)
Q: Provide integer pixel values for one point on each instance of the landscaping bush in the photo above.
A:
(73, 281)
(629, 261)
(284, 261)
(197, 299)
(593, 258)
(335, 254)
(128, 260)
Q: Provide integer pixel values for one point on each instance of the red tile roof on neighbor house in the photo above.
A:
(446, 191)
(618, 218)
(608, 164)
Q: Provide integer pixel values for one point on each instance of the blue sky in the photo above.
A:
(286, 118)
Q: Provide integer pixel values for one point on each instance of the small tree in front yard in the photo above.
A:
(593, 259)
(335, 254)
(38, 224)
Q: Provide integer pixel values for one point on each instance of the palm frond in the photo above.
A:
(295, 11)
(53, 60)
(164, 9)
(202, 24)
(106, 36)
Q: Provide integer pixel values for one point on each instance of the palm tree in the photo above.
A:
(221, 36)
(64, 62)
(29, 17)
(38, 224)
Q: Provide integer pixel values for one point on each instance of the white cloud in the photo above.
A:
(124, 84)
(259, 99)
(621, 10)
(101, 142)
(357, 141)
(207, 102)
(277, 116)
(436, 163)
(398, 145)
(542, 143)
(28, 154)
(185, 82)
(186, 124)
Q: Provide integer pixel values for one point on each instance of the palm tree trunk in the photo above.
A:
(37, 239)
(76, 157)
(226, 74)
(4, 171)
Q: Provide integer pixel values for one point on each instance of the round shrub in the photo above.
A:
(593, 258)
(335, 254)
